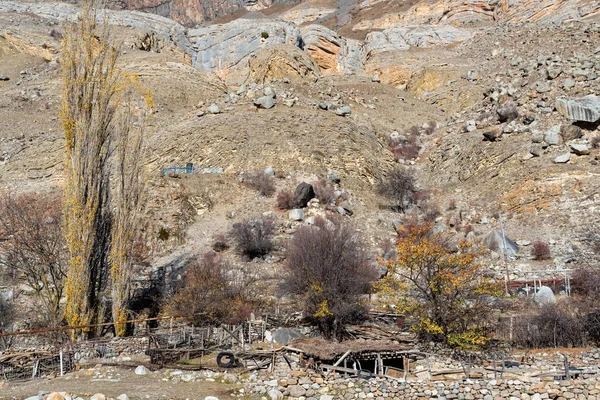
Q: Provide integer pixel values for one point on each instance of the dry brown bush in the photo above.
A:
(33, 247)
(540, 250)
(324, 191)
(285, 199)
(254, 238)
(213, 293)
(399, 187)
(327, 269)
(263, 183)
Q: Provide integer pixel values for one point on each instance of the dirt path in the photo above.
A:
(113, 381)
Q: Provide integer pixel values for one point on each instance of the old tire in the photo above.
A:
(226, 360)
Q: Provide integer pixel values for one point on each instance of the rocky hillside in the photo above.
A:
(481, 90)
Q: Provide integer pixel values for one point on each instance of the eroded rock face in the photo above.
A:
(547, 11)
(332, 52)
(460, 12)
(281, 62)
(402, 38)
(226, 48)
(192, 12)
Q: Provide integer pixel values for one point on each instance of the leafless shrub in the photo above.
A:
(254, 238)
(431, 126)
(32, 245)
(452, 204)
(431, 211)
(324, 191)
(56, 34)
(540, 250)
(399, 187)
(220, 242)
(263, 183)
(554, 325)
(285, 199)
(7, 318)
(327, 268)
(213, 293)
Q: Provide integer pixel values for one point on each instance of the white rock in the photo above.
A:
(141, 370)
(122, 397)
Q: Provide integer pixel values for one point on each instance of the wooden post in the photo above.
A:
(61, 363)
(494, 364)
(36, 365)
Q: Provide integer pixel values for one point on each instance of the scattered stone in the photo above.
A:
(296, 214)
(542, 87)
(122, 397)
(98, 396)
(528, 120)
(200, 113)
(269, 92)
(270, 171)
(141, 370)
(214, 109)
(586, 109)
(323, 106)
(296, 391)
(376, 79)
(537, 137)
(343, 111)
(492, 135)
(580, 149)
(333, 176)
(4, 78)
(534, 151)
(275, 394)
(303, 194)
(265, 102)
(563, 158)
(507, 113)
(552, 136)
(571, 132)
(553, 73)
(568, 84)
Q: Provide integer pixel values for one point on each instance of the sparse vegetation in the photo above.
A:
(327, 268)
(540, 250)
(220, 242)
(324, 191)
(399, 187)
(32, 247)
(213, 293)
(254, 238)
(285, 199)
(263, 183)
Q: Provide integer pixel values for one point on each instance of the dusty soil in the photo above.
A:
(113, 381)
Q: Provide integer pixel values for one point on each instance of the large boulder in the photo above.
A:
(585, 109)
(544, 296)
(303, 194)
(283, 336)
(495, 241)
